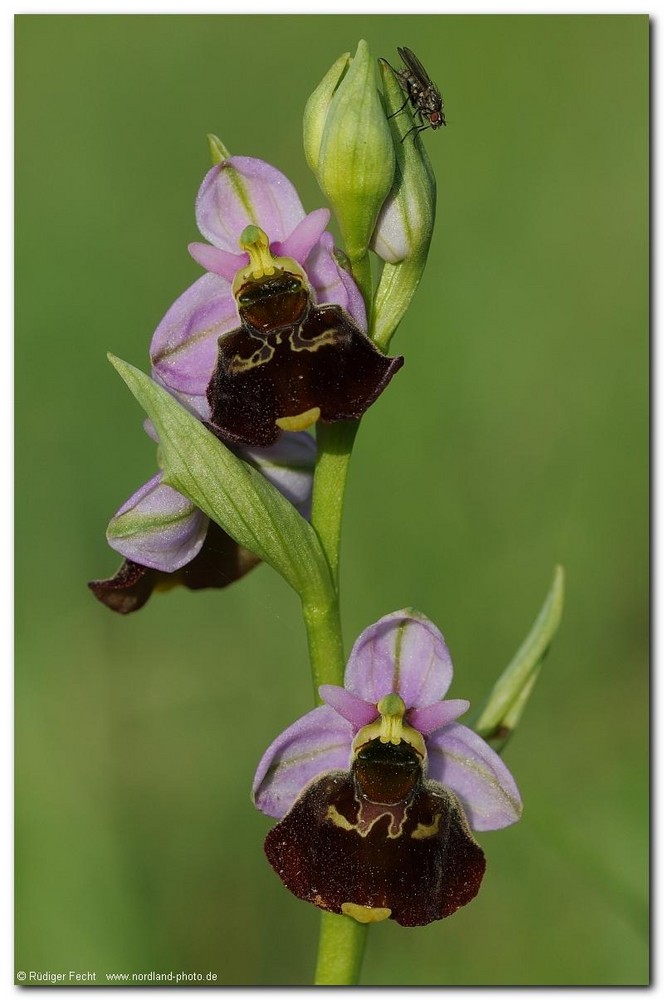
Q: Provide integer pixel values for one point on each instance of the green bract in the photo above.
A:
(349, 146)
(405, 224)
(504, 707)
(230, 492)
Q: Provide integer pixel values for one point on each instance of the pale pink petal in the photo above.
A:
(461, 760)
(244, 191)
(158, 528)
(317, 743)
(289, 465)
(184, 346)
(220, 262)
(355, 710)
(198, 405)
(433, 717)
(304, 237)
(403, 653)
(332, 283)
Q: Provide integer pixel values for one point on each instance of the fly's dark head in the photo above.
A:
(436, 119)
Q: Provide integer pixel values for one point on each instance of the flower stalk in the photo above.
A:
(340, 950)
(342, 940)
(335, 445)
(322, 622)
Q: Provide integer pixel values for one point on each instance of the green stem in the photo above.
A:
(322, 621)
(340, 951)
(335, 444)
(361, 268)
(342, 938)
(326, 650)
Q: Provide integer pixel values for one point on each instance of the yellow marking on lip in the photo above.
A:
(423, 832)
(299, 343)
(260, 357)
(364, 827)
(365, 914)
(299, 422)
(335, 817)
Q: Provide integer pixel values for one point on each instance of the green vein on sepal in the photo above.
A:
(248, 507)
(501, 712)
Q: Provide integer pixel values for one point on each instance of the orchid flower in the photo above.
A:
(273, 337)
(166, 540)
(379, 788)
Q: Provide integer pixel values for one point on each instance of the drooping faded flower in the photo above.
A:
(166, 540)
(272, 338)
(378, 789)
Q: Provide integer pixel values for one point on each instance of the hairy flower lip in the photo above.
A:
(290, 362)
(320, 367)
(354, 843)
(403, 653)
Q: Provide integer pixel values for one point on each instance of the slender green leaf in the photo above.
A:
(501, 712)
(232, 493)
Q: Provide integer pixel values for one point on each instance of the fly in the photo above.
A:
(421, 91)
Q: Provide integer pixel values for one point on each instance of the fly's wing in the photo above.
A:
(415, 67)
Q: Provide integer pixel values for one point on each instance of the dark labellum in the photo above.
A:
(291, 363)
(220, 561)
(423, 94)
(378, 841)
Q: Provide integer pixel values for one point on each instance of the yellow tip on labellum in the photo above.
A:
(299, 422)
(165, 584)
(365, 914)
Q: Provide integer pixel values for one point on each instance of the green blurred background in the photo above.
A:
(514, 438)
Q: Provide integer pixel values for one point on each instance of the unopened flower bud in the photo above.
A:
(405, 224)
(349, 146)
(317, 108)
